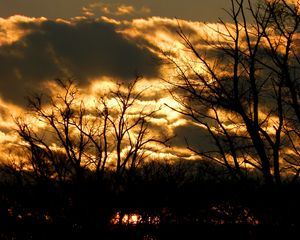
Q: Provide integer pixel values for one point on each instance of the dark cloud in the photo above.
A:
(195, 137)
(84, 50)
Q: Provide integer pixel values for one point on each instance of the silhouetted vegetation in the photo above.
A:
(84, 172)
(158, 199)
(242, 87)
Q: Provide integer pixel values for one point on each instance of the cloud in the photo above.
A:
(33, 50)
(94, 50)
(192, 136)
(82, 48)
(121, 11)
(161, 34)
(9, 31)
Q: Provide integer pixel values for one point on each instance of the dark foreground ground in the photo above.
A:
(32, 214)
(166, 204)
(184, 232)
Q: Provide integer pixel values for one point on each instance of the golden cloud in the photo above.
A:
(116, 10)
(10, 31)
(154, 34)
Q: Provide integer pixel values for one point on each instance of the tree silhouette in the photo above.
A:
(246, 93)
(74, 138)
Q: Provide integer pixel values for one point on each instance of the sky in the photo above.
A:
(102, 44)
(195, 10)
(94, 42)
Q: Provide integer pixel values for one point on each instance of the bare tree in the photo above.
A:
(58, 142)
(283, 45)
(130, 130)
(238, 95)
(73, 138)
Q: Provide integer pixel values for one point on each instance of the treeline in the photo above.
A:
(157, 199)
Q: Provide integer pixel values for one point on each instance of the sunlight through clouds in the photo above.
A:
(65, 49)
(10, 31)
(154, 34)
(114, 10)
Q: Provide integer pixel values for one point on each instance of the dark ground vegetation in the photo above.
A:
(185, 200)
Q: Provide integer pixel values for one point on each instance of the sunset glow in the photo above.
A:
(147, 120)
(154, 35)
